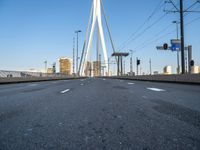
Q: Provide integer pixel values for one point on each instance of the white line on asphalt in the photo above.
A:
(156, 89)
(65, 91)
(32, 85)
(131, 83)
(145, 97)
(104, 79)
(82, 84)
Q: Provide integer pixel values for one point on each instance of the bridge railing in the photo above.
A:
(24, 74)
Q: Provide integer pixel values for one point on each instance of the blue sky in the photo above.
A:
(32, 31)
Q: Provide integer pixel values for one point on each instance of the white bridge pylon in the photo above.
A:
(95, 22)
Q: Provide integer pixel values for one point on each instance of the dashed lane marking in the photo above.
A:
(33, 85)
(65, 91)
(156, 89)
(131, 83)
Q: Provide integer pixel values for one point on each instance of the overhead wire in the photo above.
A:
(172, 31)
(142, 25)
(147, 28)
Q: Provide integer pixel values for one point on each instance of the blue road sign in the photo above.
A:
(175, 45)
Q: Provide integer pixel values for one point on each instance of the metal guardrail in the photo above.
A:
(20, 74)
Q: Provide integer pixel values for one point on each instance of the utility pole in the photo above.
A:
(186, 64)
(182, 37)
(178, 50)
(100, 65)
(73, 55)
(45, 63)
(108, 66)
(124, 67)
(77, 57)
(131, 62)
(181, 10)
(190, 58)
(150, 66)
(137, 66)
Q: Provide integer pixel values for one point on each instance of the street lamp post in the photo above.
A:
(131, 61)
(77, 57)
(182, 37)
(150, 69)
(45, 69)
(177, 36)
(45, 66)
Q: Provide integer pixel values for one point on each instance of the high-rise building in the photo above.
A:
(50, 71)
(168, 70)
(96, 68)
(88, 69)
(65, 66)
(195, 69)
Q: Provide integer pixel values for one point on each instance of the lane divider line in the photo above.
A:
(131, 83)
(65, 91)
(156, 89)
(33, 85)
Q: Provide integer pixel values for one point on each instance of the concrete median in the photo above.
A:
(34, 79)
(189, 79)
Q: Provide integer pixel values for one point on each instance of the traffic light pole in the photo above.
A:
(137, 66)
(182, 37)
(182, 11)
(73, 56)
(150, 67)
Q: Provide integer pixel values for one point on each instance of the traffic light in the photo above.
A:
(138, 62)
(165, 46)
(192, 63)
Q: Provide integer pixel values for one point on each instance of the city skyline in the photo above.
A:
(34, 31)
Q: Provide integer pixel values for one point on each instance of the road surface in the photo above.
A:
(102, 114)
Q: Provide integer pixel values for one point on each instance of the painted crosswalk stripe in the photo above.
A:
(156, 89)
(65, 91)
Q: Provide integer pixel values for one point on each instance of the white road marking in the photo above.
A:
(131, 83)
(65, 91)
(145, 97)
(156, 89)
(33, 85)
(82, 84)
(104, 79)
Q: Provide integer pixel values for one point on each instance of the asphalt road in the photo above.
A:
(102, 114)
